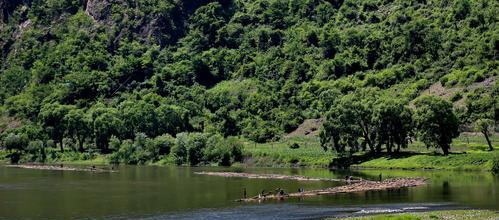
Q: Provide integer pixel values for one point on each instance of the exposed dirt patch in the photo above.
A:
(8, 123)
(439, 90)
(309, 127)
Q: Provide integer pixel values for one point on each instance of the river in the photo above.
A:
(149, 192)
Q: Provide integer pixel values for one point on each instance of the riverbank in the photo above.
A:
(60, 167)
(468, 161)
(468, 154)
(449, 214)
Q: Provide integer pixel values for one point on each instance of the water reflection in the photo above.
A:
(136, 191)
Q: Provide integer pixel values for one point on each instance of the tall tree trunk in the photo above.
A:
(488, 141)
(378, 147)
(445, 149)
(61, 145)
(80, 145)
(389, 147)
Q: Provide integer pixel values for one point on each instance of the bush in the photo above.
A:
(162, 145)
(196, 143)
(222, 151)
(199, 148)
(179, 150)
(16, 141)
(37, 151)
(133, 152)
(294, 146)
(456, 97)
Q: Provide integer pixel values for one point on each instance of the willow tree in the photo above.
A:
(436, 122)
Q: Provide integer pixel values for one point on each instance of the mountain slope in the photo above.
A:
(251, 68)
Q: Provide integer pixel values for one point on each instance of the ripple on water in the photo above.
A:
(292, 211)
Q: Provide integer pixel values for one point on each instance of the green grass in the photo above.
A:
(452, 214)
(472, 160)
(464, 142)
(469, 152)
(278, 154)
(3, 156)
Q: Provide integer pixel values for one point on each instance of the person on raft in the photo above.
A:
(262, 194)
(280, 192)
(348, 179)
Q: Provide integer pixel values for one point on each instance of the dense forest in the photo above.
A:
(139, 79)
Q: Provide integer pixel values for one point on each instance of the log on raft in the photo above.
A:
(361, 186)
(275, 176)
(58, 167)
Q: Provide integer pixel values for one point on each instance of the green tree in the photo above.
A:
(78, 126)
(350, 123)
(52, 116)
(162, 145)
(486, 127)
(16, 143)
(106, 125)
(436, 123)
(394, 123)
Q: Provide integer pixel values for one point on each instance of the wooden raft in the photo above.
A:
(361, 186)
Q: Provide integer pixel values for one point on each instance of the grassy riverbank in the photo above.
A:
(468, 153)
(471, 160)
(279, 154)
(452, 214)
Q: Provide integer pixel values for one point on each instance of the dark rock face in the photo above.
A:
(7, 7)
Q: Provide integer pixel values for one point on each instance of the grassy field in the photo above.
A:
(453, 214)
(472, 160)
(279, 154)
(469, 152)
(465, 142)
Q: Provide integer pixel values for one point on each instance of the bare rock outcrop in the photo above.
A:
(98, 10)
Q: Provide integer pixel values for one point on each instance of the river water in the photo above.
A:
(148, 192)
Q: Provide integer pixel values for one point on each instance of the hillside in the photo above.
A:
(104, 75)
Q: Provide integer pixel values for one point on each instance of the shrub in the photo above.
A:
(456, 97)
(294, 146)
(37, 151)
(16, 141)
(179, 150)
(162, 145)
(196, 143)
(133, 152)
(222, 151)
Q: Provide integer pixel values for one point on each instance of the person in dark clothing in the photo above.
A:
(244, 193)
